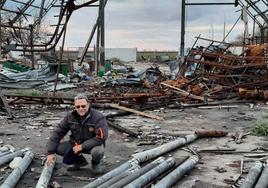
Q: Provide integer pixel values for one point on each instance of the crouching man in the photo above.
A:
(89, 132)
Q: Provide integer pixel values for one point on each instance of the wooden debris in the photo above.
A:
(185, 93)
(123, 129)
(218, 107)
(136, 112)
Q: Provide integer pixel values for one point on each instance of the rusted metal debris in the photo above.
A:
(210, 134)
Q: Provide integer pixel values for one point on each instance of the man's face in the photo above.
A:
(81, 106)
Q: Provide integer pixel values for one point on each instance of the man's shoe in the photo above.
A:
(81, 161)
(98, 169)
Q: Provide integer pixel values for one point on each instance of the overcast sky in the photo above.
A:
(153, 24)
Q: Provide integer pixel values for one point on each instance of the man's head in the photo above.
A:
(81, 104)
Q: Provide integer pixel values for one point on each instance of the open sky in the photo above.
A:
(154, 24)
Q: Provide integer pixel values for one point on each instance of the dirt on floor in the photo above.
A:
(33, 124)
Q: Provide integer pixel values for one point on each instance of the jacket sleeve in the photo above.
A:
(54, 140)
(101, 132)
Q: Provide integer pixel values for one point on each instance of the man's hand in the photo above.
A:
(77, 148)
(50, 159)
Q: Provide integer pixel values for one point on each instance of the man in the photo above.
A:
(89, 131)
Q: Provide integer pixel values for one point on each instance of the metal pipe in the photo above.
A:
(155, 152)
(152, 174)
(140, 172)
(16, 174)
(4, 153)
(121, 176)
(253, 175)
(263, 180)
(176, 174)
(6, 158)
(112, 173)
(46, 175)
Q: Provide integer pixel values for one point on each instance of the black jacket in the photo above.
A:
(90, 132)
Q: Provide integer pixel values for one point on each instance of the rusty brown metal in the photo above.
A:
(210, 134)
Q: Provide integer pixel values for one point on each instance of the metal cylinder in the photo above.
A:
(176, 174)
(119, 177)
(152, 174)
(253, 175)
(155, 152)
(46, 175)
(4, 153)
(6, 158)
(138, 173)
(16, 174)
(263, 180)
(112, 173)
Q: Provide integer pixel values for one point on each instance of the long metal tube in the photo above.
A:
(16, 174)
(155, 152)
(152, 174)
(119, 177)
(112, 173)
(253, 175)
(46, 175)
(4, 153)
(176, 174)
(263, 180)
(138, 173)
(6, 158)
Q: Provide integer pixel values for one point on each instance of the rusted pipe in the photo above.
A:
(210, 134)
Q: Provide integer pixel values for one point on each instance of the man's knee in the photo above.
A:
(97, 152)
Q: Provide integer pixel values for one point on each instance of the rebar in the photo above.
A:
(152, 174)
(155, 152)
(176, 174)
(125, 166)
(16, 174)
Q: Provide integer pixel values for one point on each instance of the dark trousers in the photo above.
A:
(96, 152)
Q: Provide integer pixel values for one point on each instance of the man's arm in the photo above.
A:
(101, 131)
(54, 140)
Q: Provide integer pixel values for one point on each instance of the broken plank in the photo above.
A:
(218, 107)
(136, 112)
(122, 129)
(185, 93)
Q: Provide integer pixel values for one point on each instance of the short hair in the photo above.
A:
(81, 96)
